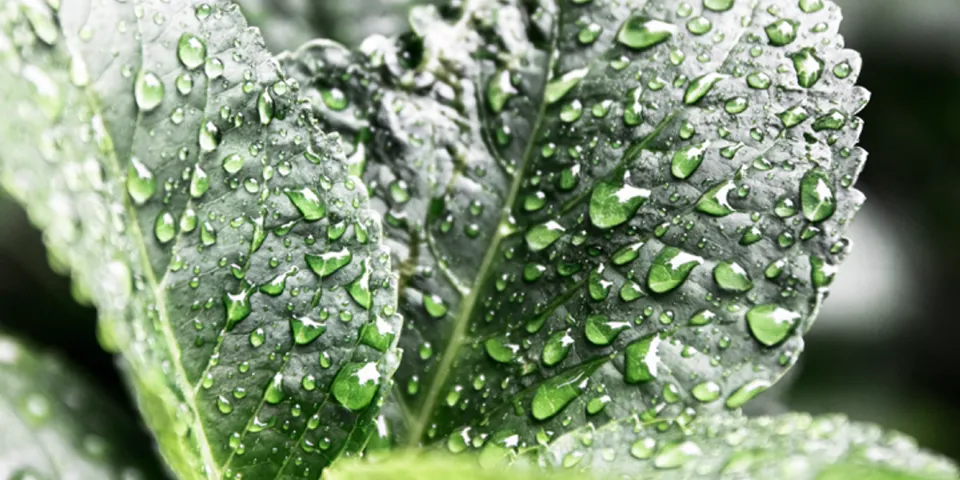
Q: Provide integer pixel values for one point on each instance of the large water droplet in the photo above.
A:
(700, 87)
(274, 393)
(718, 5)
(356, 384)
(716, 201)
(191, 51)
(600, 330)
(670, 269)
(359, 288)
(687, 160)
(706, 392)
(209, 137)
(556, 348)
(237, 306)
(165, 227)
(745, 393)
(817, 198)
(809, 67)
(732, 277)
(141, 184)
(199, 182)
(676, 455)
(782, 32)
(306, 330)
(309, 204)
(500, 90)
(613, 204)
(556, 393)
(640, 32)
(641, 359)
(500, 350)
(770, 324)
(148, 91)
(327, 264)
(543, 235)
(559, 87)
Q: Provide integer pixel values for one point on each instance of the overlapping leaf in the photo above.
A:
(54, 425)
(600, 208)
(233, 260)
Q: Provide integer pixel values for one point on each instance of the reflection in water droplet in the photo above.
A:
(770, 324)
(148, 91)
(641, 33)
(191, 51)
(670, 269)
(356, 384)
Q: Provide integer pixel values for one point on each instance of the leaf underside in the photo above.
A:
(600, 209)
(57, 426)
(233, 259)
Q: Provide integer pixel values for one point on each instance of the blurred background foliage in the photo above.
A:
(883, 349)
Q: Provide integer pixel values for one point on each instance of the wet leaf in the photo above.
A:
(651, 180)
(173, 171)
(54, 424)
(789, 447)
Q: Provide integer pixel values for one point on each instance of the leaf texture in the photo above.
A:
(55, 425)
(600, 208)
(234, 261)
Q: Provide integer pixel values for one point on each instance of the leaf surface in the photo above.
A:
(599, 208)
(56, 425)
(789, 447)
(233, 260)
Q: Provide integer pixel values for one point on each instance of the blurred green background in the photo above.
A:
(883, 349)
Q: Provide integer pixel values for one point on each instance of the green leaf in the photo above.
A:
(287, 24)
(55, 425)
(171, 167)
(600, 208)
(789, 447)
(412, 466)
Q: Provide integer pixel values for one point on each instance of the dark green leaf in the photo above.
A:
(53, 425)
(790, 447)
(174, 172)
(600, 208)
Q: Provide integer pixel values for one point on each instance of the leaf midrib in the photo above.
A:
(504, 229)
(138, 239)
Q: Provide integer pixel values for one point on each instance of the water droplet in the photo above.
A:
(700, 87)
(670, 269)
(817, 198)
(640, 32)
(543, 235)
(233, 163)
(556, 393)
(209, 137)
(716, 201)
(732, 277)
(191, 51)
(613, 204)
(199, 182)
(306, 330)
(706, 392)
(793, 116)
(643, 448)
(499, 350)
(718, 5)
(274, 393)
(327, 264)
(556, 348)
(782, 32)
(224, 405)
(821, 272)
(434, 305)
(308, 203)
(148, 91)
(745, 393)
(641, 360)
(758, 80)
(688, 160)
(359, 288)
(265, 107)
(356, 384)
(559, 87)
(811, 6)
(770, 324)
(702, 317)
(835, 120)
(141, 185)
(676, 455)
(500, 90)
(237, 306)
(165, 227)
(601, 331)
(808, 66)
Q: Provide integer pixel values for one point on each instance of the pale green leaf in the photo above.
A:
(172, 169)
(54, 424)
